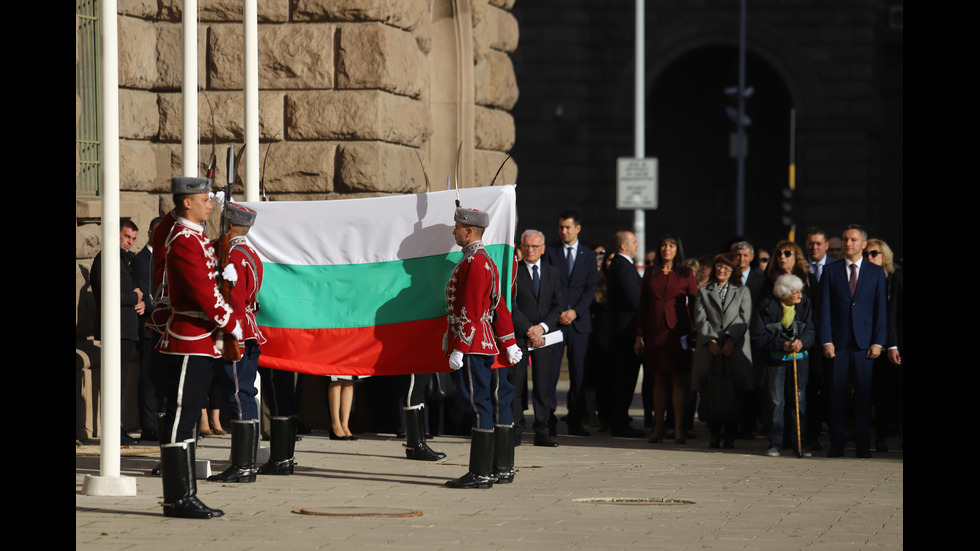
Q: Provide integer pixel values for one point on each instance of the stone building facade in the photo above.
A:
(352, 94)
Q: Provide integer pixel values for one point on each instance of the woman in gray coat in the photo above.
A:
(723, 311)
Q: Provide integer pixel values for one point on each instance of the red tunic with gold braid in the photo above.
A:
(161, 299)
(244, 294)
(472, 298)
(197, 309)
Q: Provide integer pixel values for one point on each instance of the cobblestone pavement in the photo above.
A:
(583, 494)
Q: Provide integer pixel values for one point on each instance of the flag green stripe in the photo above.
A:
(362, 295)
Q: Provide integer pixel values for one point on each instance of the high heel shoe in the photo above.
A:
(655, 438)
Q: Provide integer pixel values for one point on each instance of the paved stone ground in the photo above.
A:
(731, 499)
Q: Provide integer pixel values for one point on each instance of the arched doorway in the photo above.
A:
(690, 133)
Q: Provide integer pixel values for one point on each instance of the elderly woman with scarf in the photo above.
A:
(783, 328)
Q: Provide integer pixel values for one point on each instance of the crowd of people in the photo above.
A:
(751, 344)
(781, 348)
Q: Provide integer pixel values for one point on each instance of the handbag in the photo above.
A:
(440, 386)
(719, 395)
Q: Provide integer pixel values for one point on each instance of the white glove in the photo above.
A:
(220, 197)
(229, 274)
(456, 360)
(237, 331)
(514, 354)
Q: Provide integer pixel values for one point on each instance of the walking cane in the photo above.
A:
(796, 398)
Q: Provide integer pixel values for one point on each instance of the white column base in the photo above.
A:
(109, 485)
(202, 469)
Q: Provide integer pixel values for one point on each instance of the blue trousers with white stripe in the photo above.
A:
(488, 392)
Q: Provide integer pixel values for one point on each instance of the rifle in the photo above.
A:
(230, 350)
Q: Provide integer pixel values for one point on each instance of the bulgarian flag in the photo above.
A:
(357, 286)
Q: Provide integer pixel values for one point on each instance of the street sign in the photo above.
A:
(636, 183)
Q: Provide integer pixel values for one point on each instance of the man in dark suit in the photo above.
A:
(131, 300)
(579, 275)
(538, 306)
(817, 243)
(853, 328)
(816, 248)
(143, 271)
(753, 280)
(623, 289)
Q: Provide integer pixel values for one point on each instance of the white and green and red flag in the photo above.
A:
(357, 286)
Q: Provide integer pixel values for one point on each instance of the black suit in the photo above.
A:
(578, 290)
(128, 318)
(531, 309)
(755, 282)
(751, 408)
(623, 285)
(142, 265)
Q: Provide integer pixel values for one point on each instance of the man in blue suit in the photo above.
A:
(853, 328)
(579, 275)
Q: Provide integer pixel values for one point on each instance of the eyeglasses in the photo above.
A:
(786, 253)
(722, 268)
(526, 246)
(763, 259)
(874, 254)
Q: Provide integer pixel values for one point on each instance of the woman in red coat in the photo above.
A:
(663, 320)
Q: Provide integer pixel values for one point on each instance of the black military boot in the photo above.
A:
(244, 439)
(283, 443)
(180, 485)
(503, 454)
(416, 448)
(481, 462)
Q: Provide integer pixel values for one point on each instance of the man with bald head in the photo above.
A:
(623, 288)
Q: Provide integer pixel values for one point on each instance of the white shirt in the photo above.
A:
(531, 272)
(574, 248)
(817, 266)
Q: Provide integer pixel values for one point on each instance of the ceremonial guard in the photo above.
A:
(477, 321)
(238, 376)
(191, 341)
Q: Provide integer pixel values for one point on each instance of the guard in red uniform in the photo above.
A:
(190, 342)
(238, 377)
(477, 321)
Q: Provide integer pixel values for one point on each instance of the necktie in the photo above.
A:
(854, 278)
(815, 268)
(535, 279)
(569, 259)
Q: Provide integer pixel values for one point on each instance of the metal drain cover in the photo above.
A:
(633, 501)
(373, 512)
